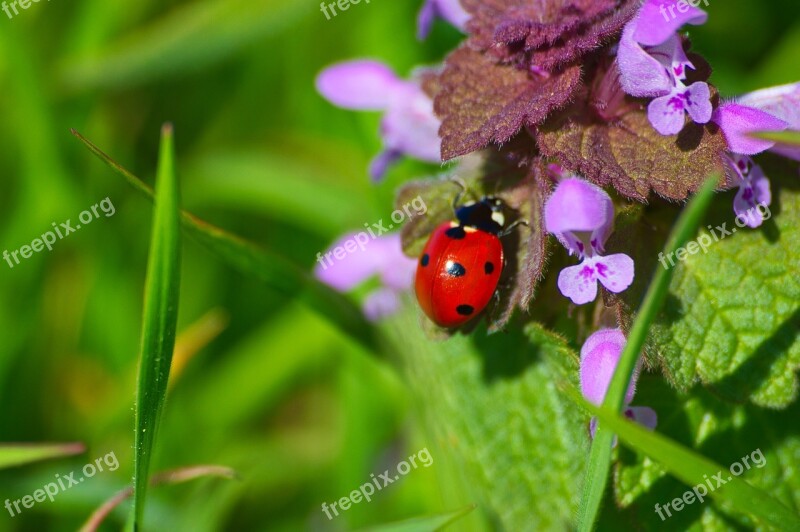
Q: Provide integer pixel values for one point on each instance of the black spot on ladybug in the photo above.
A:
(455, 269)
(456, 233)
(465, 310)
(425, 260)
(488, 268)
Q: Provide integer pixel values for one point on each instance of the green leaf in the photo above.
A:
(502, 434)
(733, 319)
(423, 524)
(188, 37)
(600, 458)
(162, 288)
(18, 454)
(693, 469)
(719, 430)
(271, 268)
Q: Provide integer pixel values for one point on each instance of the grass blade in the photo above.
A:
(695, 469)
(271, 268)
(18, 454)
(788, 138)
(600, 457)
(162, 287)
(176, 476)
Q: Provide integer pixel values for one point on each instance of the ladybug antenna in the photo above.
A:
(513, 226)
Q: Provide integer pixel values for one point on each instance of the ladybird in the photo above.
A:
(461, 264)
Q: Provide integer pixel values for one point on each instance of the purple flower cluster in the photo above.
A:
(605, 91)
(653, 64)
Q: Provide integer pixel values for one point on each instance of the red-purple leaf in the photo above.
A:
(482, 102)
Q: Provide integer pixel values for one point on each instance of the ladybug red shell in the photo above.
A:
(460, 266)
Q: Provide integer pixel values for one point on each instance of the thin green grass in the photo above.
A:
(600, 457)
(162, 289)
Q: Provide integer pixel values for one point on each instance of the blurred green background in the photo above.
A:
(303, 414)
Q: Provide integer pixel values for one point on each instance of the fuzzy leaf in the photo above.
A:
(494, 408)
(483, 102)
(632, 156)
(724, 433)
(733, 322)
(545, 33)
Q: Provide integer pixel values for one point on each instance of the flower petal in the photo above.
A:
(615, 272)
(425, 19)
(362, 85)
(454, 13)
(449, 10)
(659, 20)
(579, 283)
(753, 196)
(355, 257)
(577, 205)
(380, 304)
(698, 102)
(667, 114)
(381, 163)
(641, 74)
(738, 120)
(411, 127)
(643, 415)
(599, 358)
(782, 102)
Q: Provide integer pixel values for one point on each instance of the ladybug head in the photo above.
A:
(485, 214)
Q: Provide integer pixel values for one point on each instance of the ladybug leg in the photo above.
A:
(513, 226)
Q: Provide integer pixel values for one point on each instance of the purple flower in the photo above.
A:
(754, 189)
(667, 113)
(782, 103)
(653, 63)
(355, 258)
(738, 121)
(449, 10)
(657, 21)
(581, 216)
(772, 109)
(600, 356)
(409, 126)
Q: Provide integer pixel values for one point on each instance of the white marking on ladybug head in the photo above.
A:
(499, 217)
